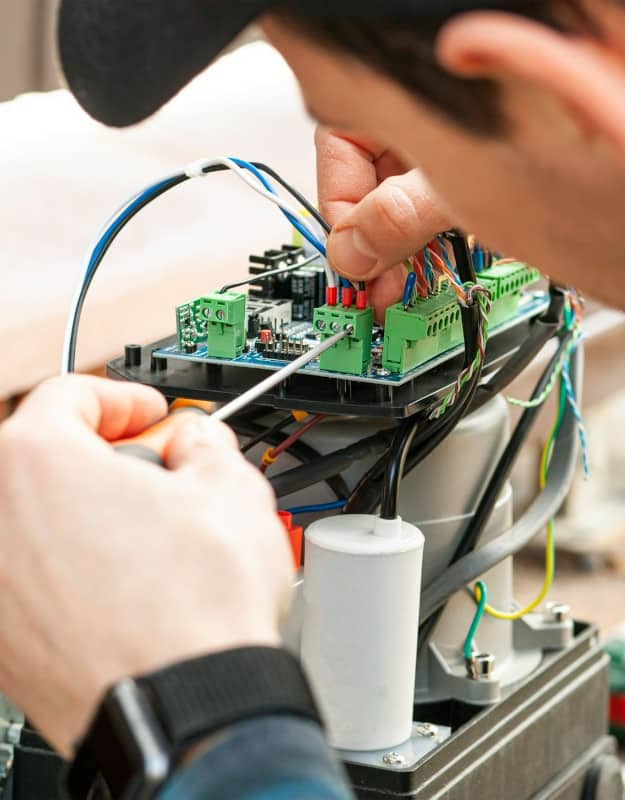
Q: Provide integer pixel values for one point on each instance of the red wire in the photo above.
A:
(294, 437)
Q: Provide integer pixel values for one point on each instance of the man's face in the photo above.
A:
(544, 191)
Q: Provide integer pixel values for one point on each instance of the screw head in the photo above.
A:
(321, 324)
(220, 315)
(557, 612)
(394, 759)
(427, 730)
(335, 327)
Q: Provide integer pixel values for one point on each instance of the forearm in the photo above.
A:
(270, 757)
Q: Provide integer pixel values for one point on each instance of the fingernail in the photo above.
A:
(351, 254)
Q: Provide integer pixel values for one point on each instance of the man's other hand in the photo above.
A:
(112, 566)
(381, 213)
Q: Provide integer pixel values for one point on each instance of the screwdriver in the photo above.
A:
(152, 445)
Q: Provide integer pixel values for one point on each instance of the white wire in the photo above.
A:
(252, 182)
(87, 260)
(323, 237)
(194, 170)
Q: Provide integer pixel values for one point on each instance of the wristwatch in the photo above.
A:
(144, 726)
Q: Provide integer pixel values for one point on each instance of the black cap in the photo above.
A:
(123, 59)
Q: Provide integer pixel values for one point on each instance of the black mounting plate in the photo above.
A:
(220, 383)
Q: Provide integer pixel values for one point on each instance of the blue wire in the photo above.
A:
(317, 509)
(446, 258)
(409, 287)
(346, 284)
(293, 220)
(429, 271)
(112, 229)
(573, 405)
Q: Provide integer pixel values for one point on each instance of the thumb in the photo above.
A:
(387, 226)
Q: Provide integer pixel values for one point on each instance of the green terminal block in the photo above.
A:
(218, 320)
(352, 355)
(433, 325)
(427, 328)
(505, 282)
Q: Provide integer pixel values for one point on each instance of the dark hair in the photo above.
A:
(406, 53)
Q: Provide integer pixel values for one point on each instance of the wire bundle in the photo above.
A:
(560, 371)
(474, 295)
(250, 173)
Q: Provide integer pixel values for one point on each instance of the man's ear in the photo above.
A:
(585, 75)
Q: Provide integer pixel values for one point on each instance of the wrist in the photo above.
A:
(146, 727)
(88, 693)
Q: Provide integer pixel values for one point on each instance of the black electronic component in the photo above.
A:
(253, 326)
(133, 355)
(277, 287)
(304, 293)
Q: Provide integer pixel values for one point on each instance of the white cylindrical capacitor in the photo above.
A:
(362, 584)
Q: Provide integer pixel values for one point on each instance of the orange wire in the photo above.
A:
(448, 274)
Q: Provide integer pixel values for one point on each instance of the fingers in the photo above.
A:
(346, 172)
(113, 409)
(200, 444)
(386, 290)
(387, 226)
(348, 168)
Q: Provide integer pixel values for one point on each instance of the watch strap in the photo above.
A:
(197, 698)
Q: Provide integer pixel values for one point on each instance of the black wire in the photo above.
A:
(492, 493)
(425, 439)
(260, 437)
(300, 450)
(431, 433)
(271, 274)
(330, 464)
(176, 181)
(314, 212)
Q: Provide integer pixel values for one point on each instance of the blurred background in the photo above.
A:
(27, 59)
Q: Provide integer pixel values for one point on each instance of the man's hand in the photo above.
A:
(114, 567)
(381, 213)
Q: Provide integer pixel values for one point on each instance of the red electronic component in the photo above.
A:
(295, 534)
(347, 297)
(361, 299)
(332, 295)
(265, 336)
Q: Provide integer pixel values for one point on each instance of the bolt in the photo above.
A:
(207, 312)
(335, 327)
(221, 315)
(427, 730)
(484, 666)
(321, 324)
(557, 612)
(394, 759)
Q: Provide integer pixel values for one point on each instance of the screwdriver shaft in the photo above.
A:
(247, 398)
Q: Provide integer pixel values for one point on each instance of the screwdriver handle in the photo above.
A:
(153, 444)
